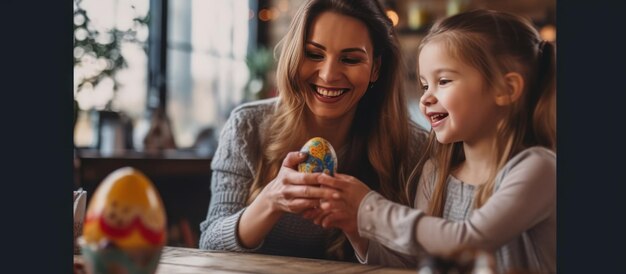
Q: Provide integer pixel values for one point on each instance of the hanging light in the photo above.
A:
(393, 16)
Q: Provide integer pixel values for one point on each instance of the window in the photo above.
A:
(189, 56)
(207, 43)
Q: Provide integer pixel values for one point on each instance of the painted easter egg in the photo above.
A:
(321, 157)
(126, 211)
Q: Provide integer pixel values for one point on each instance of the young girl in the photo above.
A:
(490, 183)
(340, 83)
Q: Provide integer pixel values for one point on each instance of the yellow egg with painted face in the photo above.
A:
(126, 211)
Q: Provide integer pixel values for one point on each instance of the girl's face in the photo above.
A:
(455, 99)
(338, 65)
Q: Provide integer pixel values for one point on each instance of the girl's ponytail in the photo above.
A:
(543, 96)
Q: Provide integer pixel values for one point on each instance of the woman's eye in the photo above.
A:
(351, 61)
(313, 55)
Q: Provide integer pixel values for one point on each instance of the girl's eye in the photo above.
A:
(351, 61)
(313, 55)
(444, 81)
(424, 87)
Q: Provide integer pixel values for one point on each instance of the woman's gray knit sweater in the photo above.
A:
(233, 168)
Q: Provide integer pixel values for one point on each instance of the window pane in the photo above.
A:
(206, 69)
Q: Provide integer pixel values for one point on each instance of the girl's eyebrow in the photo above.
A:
(343, 50)
(438, 71)
(446, 70)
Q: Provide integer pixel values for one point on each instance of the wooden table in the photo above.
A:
(179, 260)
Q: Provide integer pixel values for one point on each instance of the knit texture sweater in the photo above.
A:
(233, 169)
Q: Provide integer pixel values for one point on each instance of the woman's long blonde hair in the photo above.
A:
(496, 43)
(379, 133)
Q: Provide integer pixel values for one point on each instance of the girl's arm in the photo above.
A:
(342, 213)
(525, 196)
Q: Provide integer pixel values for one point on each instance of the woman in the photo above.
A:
(339, 78)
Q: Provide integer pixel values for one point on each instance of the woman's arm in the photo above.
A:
(230, 183)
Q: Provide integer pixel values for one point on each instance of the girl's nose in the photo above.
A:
(427, 99)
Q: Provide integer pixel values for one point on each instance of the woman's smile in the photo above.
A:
(328, 94)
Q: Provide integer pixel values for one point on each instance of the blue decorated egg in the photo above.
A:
(321, 157)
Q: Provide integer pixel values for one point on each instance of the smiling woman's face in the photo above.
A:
(338, 65)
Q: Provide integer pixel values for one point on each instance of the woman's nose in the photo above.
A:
(329, 71)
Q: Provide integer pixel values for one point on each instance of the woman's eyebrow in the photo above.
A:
(343, 50)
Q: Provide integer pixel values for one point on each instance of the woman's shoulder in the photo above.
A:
(245, 121)
(242, 134)
(255, 109)
(246, 118)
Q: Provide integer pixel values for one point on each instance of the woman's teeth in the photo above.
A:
(330, 93)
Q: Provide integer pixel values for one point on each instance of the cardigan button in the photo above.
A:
(369, 208)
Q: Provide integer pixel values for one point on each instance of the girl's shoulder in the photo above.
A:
(534, 164)
(536, 154)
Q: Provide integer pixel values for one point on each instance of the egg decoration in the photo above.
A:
(321, 157)
(125, 225)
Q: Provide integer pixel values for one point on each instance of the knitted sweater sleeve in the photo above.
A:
(232, 173)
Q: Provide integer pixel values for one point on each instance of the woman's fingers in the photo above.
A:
(344, 177)
(329, 181)
(301, 204)
(300, 178)
(311, 192)
(293, 159)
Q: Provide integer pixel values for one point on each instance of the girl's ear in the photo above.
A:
(375, 69)
(514, 85)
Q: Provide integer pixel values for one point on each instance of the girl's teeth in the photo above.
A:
(437, 117)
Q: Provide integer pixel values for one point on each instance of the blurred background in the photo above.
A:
(155, 80)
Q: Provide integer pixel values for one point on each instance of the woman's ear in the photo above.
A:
(514, 86)
(375, 69)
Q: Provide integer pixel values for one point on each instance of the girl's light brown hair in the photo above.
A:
(496, 43)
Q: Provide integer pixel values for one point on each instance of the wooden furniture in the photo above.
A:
(182, 178)
(178, 260)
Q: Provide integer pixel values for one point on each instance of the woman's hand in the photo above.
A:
(342, 210)
(293, 191)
